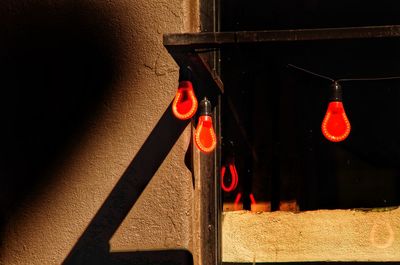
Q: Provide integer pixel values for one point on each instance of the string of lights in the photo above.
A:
(343, 79)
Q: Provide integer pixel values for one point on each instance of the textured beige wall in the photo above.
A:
(324, 235)
(46, 227)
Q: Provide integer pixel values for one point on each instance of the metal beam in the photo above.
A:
(203, 40)
(189, 58)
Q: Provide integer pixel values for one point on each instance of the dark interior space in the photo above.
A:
(239, 15)
(273, 113)
(56, 66)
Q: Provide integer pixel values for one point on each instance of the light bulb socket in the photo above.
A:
(185, 74)
(205, 107)
(337, 92)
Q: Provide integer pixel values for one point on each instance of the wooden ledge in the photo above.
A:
(324, 235)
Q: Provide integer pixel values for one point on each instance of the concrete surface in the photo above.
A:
(324, 235)
(47, 225)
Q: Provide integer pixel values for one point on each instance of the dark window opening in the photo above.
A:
(239, 15)
(272, 114)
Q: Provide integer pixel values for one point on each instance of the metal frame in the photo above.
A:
(184, 48)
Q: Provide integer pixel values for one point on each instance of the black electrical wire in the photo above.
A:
(368, 79)
(310, 72)
(343, 79)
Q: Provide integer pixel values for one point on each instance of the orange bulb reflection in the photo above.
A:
(236, 202)
(185, 103)
(335, 126)
(233, 176)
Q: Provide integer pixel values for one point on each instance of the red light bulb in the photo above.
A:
(336, 126)
(185, 102)
(204, 136)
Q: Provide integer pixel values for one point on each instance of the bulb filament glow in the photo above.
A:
(204, 136)
(335, 125)
(234, 177)
(185, 103)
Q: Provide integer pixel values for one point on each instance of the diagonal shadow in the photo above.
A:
(93, 245)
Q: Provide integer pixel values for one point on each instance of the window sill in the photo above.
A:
(323, 235)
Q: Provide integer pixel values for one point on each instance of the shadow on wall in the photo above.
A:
(93, 246)
(57, 64)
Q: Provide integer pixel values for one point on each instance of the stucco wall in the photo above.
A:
(47, 223)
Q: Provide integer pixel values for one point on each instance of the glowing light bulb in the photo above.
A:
(185, 103)
(204, 136)
(336, 126)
